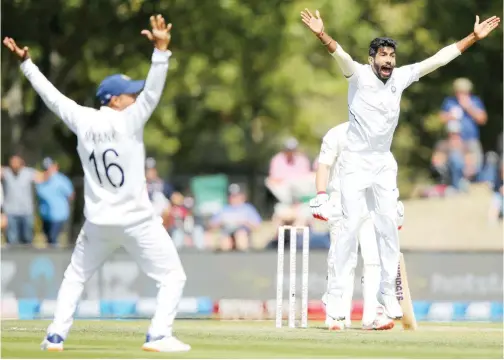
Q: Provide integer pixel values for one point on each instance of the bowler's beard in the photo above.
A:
(383, 72)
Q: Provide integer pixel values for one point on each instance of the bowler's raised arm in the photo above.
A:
(316, 25)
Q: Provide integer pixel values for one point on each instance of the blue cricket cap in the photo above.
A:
(116, 85)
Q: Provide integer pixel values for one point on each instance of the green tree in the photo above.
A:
(244, 75)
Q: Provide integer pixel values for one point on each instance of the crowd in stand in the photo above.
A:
(459, 159)
(20, 186)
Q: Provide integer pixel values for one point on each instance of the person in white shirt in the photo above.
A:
(374, 96)
(326, 206)
(117, 208)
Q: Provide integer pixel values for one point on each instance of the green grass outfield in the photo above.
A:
(260, 339)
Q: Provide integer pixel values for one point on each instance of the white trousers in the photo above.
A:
(359, 173)
(366, 240)
(149, 244)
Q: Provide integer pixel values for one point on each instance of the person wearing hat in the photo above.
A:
(288, 164)
(116, 204)
(469, 112)
(451, 158)
(290, 179)
(154, 182)
(236, 221)
(54, 195)
(159, 191)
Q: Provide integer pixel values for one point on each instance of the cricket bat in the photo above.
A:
(404, 297)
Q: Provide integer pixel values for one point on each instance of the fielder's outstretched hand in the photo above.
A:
(21, 53)
(481, 30)
(314, 23)
(160, 34)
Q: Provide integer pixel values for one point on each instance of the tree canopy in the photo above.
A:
(244, 75)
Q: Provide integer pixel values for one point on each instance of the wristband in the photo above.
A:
(320, 34)
(321, 192)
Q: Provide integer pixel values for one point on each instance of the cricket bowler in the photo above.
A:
(326, 206)
(117, 207)
(374, 96)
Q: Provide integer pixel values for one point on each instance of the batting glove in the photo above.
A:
(319, 206)
(400, 215)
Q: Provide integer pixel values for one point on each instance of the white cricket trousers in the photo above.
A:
(149, 244)
(366, 239)
(358, 173)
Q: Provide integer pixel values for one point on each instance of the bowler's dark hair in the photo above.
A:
(379, 43)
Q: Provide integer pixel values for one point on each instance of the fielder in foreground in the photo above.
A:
(326, 206)
(374, 96)
(117, 207)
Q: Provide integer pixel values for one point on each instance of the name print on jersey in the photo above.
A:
(101, 137)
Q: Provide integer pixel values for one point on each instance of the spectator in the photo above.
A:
(462, 160)
(453, 159)
(496, 208)
(236, 221)
(161, 206)
(54, 195)
(154, 182)
(184, 226)
(285, 167)
(3, 218)
(467, 112)
(457, 164)
(18, 181)
(291, 181)
(159, 192)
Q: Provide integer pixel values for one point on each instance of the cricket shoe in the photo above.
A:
(347, 323)
(381, 322)
(390, 305)
(348, 320)
(168, 344)
(335, 325)
(52, 342)
(334, 307)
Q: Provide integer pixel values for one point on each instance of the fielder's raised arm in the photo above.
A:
(58, 103)
(142, 109)
(316, 25)
(450, 52)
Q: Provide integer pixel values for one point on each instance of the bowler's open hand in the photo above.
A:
(481, 30)
(314, 23)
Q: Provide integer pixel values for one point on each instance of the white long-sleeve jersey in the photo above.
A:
(110, 146)
(333, 144)
(374, 106)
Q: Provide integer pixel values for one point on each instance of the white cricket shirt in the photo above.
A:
(374, 107)
(110, 146)
(333, 144)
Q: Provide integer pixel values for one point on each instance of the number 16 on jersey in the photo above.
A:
(108, 167)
